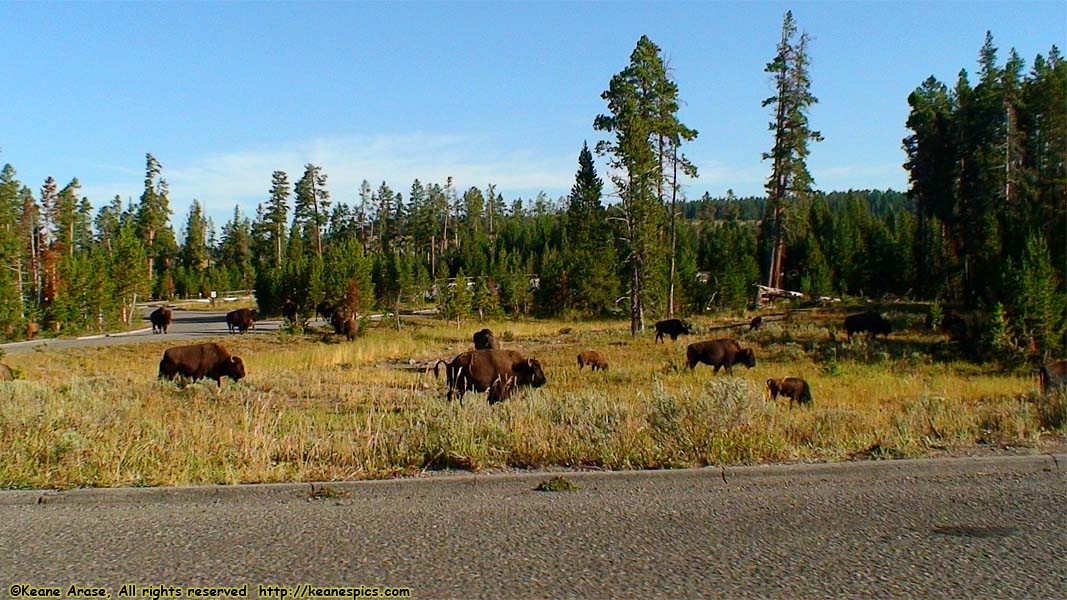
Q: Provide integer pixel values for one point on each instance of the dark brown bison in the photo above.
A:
(289, 311)
(793, 388)
(755, 323)
(1053, 376)
(241, 319)
(868, 321)
(500, 372)
(338, 319)
(201, 360)
(671, 327)
(160, 319)
(5, 373)
(723, 353)
(485, 340)
(325, 310)
(594, 359)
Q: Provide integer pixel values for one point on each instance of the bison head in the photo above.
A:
(235, 368)
(529, 372)
(747, 357)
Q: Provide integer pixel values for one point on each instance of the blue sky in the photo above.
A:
(504, 93)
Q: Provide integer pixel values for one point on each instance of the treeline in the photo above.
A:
(989, 183)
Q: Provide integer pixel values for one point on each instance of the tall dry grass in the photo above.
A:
(316, 408)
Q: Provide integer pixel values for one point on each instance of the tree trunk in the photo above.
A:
(674, 237)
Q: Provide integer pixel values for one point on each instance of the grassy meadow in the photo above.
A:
(315, 407)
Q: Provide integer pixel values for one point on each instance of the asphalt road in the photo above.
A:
(949, 528)
(186, 326)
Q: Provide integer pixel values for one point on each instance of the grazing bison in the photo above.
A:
(160, 319)
(241, 319)
(5, 373)
(868, 321)
(500, 372)
(201, 360)
(671, 327)
(289, 311)
(485, 340)
(325, 310)
(755, 323)
(1053, 376)
(723, 353)
(793, 388)
(594, 359)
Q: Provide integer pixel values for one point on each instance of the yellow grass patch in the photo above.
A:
(315, 407)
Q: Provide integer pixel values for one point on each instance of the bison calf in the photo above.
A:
(794, 388)
(722, 353)
(673, 328)
(5, 373)
(350, 329)
(198, 361)
(594, 359)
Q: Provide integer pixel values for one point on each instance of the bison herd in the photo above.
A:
(502, 372)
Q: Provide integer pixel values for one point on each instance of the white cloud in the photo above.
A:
(243, 177)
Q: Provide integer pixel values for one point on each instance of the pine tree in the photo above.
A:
(789, 178)
(153, 219)
(638, 100)
(235, 251)
(589, 253)
(125, 270)
(11, 259)
(311, 210)
(277, 216)
(195, 251)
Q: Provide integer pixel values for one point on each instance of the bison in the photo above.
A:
(671, 327)
(5, 373)
(325, 310)
(793, 388)
(289, 311)
(594, 359)
(1053, 376)
(241, 319)
(723, 353)
(485, 340)
(500, 372)
(755, 323)
(338, 319)
(201, 360)
(350, 328)
(868, 321)
(160, 319)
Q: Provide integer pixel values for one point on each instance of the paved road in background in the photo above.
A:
(950, 528)
(185, 327)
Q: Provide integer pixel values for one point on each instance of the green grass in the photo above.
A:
(316, 408)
